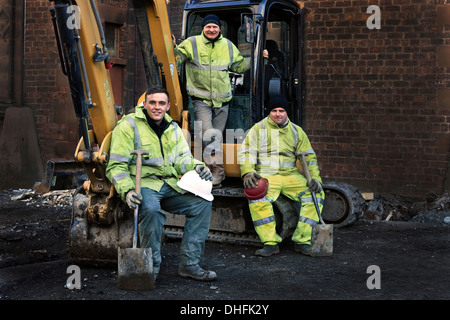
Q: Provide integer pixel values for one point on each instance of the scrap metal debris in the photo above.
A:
(52, 198)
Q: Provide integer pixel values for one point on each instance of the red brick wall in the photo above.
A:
(176, 16)
(46, 89)
(377, 108)
(372, 107)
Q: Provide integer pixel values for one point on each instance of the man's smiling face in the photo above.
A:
(278, 115)
(157, 104)
(211, 31)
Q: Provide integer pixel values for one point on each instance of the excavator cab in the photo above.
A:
(252, 27)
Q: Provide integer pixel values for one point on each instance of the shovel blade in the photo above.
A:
(135, 269)
(322, 240)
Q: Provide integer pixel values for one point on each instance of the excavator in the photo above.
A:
(101, 222)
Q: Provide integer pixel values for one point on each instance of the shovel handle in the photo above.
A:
(308, 178)
(137, 188)
(305, 167)
(139, 154)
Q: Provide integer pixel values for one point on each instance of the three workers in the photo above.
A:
(270, 150)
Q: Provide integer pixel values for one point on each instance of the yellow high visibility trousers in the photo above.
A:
(293, 187)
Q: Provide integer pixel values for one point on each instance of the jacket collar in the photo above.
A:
(273, 124)
(139, 113)
(206, 40)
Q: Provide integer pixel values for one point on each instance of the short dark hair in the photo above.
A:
(156, 89)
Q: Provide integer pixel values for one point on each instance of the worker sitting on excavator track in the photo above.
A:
(151, 128)
(270, 151)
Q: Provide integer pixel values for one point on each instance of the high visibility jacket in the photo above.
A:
(269, 149)
(169, 156)
(207, 66)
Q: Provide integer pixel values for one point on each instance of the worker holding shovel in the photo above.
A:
(270, 150)
(150, 128)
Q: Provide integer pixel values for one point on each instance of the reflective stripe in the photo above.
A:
(176, 132)
(260, 200)
(208, 93)
(230, 51)
(288, 164)
(137, 137)
(268, 163)
(275, 163)
(194, 49)
(120, 176)
(152, 161)
(207, 67)
(119, 158)
(287, 154)
(263, 221)
(250, 160)
(310, 200)
(309, 221)
(295, 133)
(183, 166)
(309, 151)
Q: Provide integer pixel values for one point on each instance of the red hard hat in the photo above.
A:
(258, 191)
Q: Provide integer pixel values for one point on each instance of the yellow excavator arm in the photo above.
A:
(157, 50)
(85, 60)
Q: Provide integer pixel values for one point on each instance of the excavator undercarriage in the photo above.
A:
(95, 242)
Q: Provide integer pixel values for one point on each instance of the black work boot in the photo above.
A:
(303, 248)
(267, 250)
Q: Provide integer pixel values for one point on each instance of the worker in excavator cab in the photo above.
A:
(209, 58)
(270, 150)
(150, 128)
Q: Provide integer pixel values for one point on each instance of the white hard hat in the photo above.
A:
(192, 182)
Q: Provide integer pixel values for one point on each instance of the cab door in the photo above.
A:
(283, 72)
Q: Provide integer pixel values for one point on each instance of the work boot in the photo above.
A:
(303, 248)
(196, 272)
(267, 250)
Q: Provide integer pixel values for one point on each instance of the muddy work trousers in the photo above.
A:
(293, 187)
(152, 218)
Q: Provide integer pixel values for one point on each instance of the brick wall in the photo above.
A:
(377, 103)
(176, 16)
(46, 89)
(372, 106)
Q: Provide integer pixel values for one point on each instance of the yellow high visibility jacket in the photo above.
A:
(169, 156)
(269, 149)
(207, 66)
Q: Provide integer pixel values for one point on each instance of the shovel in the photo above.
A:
(321, 234)
(135, 265)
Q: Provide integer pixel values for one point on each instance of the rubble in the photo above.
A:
(380, 207)
(385, 207)
(61, 198)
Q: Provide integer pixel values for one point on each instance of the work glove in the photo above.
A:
(133, 199)
(251, 180)
(315, 186)
(204, 172)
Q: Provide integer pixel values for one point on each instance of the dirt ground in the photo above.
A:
(411, 260)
